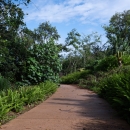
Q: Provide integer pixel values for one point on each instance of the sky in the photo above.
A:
(86, 16)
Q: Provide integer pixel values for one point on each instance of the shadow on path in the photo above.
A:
(96, 113)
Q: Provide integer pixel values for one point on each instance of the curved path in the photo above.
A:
(70, 108)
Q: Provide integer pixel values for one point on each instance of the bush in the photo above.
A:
(4, 83)
(88, 83)
(91, 65)
(107, 63)
(73, 78)
(116, 90)
(126, 59)
(15, 100)
(110, 62)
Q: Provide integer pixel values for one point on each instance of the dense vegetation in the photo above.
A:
(27, 57)
(16, 100)
(31, 61)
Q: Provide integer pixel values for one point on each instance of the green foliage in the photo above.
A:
(111, 62)
(34, 71)
(71, 64)
(52, 65)
(31, 65)
(15, 100)
(92, 65)
(126, 59)
(118, 32)
(12, 49)
(73, 78)
(107, 63)
(4, 108)
(89, 82)
(45, 32)
(26, 57)
(82, 51)
(93, 78)
(11, 18)
(4, 83)
(73, 39)
(115, 88)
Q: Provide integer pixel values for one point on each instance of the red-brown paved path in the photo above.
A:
(70, 108)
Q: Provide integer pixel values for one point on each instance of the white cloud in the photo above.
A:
(87, 11)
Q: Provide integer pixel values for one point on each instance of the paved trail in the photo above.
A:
(70, 108)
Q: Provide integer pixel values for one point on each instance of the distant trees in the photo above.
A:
(118, 32)
(45, 32)
(83, 50)
(86, 51)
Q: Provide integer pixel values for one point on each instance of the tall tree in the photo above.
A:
(83, 50)
(45, 32)
(72, 43)
(11, 21)
(11, 17)
(118, 32)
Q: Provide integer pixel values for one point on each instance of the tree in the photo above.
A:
(11, 21)
(118, 32)
(11, 17)
(45, 32)
(88, 48)
(73, 38)
(72, 42)
(83, 50)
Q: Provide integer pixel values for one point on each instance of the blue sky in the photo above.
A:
(86, 16)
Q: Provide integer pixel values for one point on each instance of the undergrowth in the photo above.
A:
(73, 78)
(15, 99)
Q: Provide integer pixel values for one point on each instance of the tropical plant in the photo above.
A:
(16, 99)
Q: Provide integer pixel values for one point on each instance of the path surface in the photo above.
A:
(70, 108)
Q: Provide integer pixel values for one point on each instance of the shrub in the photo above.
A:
(73, 78)
(4, 83)
(126, 59)
(15, 100)
(107, 64)
(116, 90)
(91, 65)
(88, 83)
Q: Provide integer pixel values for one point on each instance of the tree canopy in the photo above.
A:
(45, 32)
(118, 32)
